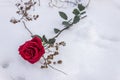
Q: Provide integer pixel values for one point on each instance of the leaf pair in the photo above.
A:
(50, 41)
(78, 12)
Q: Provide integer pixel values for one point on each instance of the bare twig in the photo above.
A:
(45, 61)
(27, 28)
(52, 66)
(57, 69)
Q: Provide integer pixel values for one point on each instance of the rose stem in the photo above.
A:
(53, 67)
(65, 28)
(27, 28)
(62, 31)
(70, 24)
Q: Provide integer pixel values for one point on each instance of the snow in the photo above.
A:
(93, 45)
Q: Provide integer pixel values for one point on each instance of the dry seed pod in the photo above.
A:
(49, 62)
(37, 16)
(42, 67)
(62, 43)
(21, 8)
(14, 21)
(51, 45)
(17, 4)
(50, 56)
(59, 62)
(35, 3)
(56, 47)
(54, 62)
(56, 53)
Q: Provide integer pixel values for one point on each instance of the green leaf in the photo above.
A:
(56, 30)
(81, 7)
(65, 23)
(52, 41)
(76, 12)
(45, 39)
(76, 19)
(63, 15)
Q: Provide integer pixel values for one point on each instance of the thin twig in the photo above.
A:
(52, 66)
(45, 61)
(27, 28)
(57, 69)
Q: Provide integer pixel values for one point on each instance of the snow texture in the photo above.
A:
(93, 45)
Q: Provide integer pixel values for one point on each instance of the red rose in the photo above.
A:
(32, 50)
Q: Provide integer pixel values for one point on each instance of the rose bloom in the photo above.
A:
(32, 50)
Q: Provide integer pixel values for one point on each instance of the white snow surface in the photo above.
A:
(93, 45)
